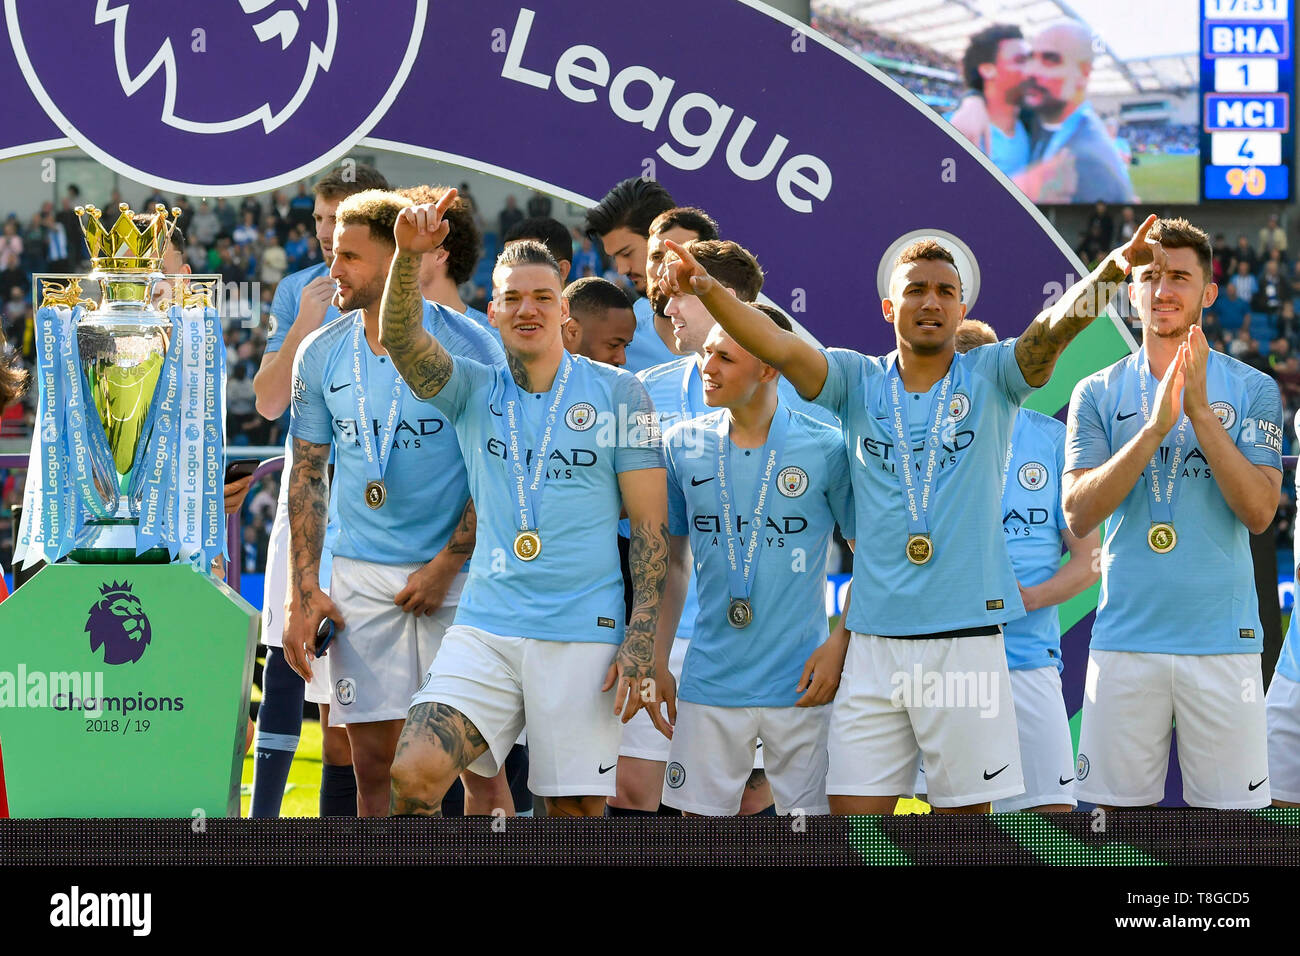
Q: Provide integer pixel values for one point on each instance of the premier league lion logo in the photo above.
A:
(188, 58)
(118, 624)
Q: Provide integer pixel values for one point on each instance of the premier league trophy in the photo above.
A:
(144, 666)
(129, 440)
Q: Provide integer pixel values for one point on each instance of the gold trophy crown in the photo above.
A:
(126, 247)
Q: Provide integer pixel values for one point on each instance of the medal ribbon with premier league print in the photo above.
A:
(920, 548)
(740, 580)
(1162, 537)
(528, 495)
(376, 460)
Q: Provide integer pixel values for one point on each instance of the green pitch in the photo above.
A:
(1167, 179)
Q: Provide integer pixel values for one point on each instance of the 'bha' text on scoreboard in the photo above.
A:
(1247, 94)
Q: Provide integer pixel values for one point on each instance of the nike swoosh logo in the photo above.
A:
(1121, 418)
(606, 769)
(701, 481)
(339, 388)
(990, 776)
(1066, 781)
(1256, 786)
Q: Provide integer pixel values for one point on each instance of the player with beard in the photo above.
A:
(556, 445)
(1178, 449)
(401, 490)
(621, 224)
(993, 117)
(303, 301)
(1035, 531)
(600, 323)
(933, 522)
(765, 494)
(1056, 90)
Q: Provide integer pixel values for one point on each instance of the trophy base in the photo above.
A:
(112, 541)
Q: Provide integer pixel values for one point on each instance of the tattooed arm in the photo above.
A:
(422, 361)
(1040, 345)
(426, 587)
(307, 604)
(645, 494)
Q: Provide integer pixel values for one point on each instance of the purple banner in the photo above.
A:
(814, 161)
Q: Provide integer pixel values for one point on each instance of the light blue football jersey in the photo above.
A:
(968, 582)
(1010, 153)
(284, 304)
(810, 492)
(1200, 597)
(1032, 521)
(573, 589)
(646, 349)
(425, 477)
(482, 319)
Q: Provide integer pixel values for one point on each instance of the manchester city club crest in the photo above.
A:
(1225, 413)
(345, 691)
(580, 417)
(958, 407)
(792, 481)
(1081, 767)
(1032, 475)
(675, 775)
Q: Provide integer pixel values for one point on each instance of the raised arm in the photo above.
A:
(645, 495)
(1040, 345)
(802, 363)
(419, 357)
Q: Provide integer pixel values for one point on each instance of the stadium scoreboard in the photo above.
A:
(1247, 99)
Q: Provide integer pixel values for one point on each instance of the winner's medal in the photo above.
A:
(528, 495)
(376, 458)
(528, 545)
(1162, 537)
(739, 613)
(740, 576)
(920, 547)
